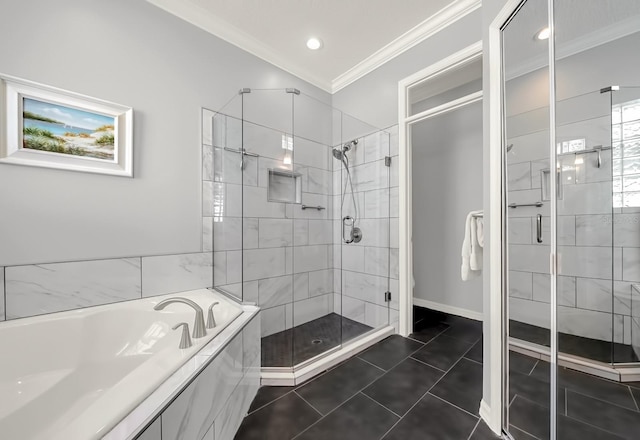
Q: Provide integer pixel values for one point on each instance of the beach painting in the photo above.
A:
(65, 130)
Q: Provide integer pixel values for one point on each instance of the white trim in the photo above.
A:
(204, 19)
(452, 310)
(432, 25)
(291, 377)
(445, 108)
(485, 411)
(458, 59)
(494, 365)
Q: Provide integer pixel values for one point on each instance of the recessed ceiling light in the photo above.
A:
(543, 34)
(314, 43)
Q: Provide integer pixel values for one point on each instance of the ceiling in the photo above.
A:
(357, 35)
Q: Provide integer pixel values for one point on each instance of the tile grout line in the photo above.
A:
(526, 432)
(307, 402)
(374, 400)
(633, 397)
(428, 365)
(420, 399)
(453, 404)
(360, 391)
(373, 365)
(474, 429)
(269, 403)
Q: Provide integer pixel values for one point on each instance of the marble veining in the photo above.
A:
(47, 288)
(176, 273)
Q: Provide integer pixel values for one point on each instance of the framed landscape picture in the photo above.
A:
(47, 127)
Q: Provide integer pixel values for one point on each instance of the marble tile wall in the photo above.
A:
(273, 253)
(599, 250)
(232, 378)
(364, 271)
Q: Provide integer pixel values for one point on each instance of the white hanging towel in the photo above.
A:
(472, 246)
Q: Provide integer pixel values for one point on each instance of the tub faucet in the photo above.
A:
(185, 340)
(211, 320)
(199, 330)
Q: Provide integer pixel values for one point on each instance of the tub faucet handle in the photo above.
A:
(211, 320)
(185, 339)
(199, 329)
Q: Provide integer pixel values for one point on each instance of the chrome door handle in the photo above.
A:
(539, 228)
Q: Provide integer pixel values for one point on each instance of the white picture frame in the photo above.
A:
(43, 126)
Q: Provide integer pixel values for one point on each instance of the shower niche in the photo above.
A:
(277, 192)
(284, 187)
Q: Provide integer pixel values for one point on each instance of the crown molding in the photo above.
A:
(208, 22)
(594, 39)
(432, 25)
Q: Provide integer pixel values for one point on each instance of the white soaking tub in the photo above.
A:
(78, 374)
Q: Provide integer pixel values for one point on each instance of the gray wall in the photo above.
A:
(135, 54)
(447, 184)
(374, 97)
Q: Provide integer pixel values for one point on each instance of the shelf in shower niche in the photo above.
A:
(284, 186)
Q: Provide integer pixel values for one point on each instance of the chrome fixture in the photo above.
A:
(199, 330)
(185, 339)
(211, 320)
(518, 205)
(509, 147)
(243, 152)
(539, 228)
(355, 234)
(319, 208)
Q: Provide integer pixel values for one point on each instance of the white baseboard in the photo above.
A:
(486, 416)
(452, 310)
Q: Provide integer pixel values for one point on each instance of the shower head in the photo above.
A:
(340, 153)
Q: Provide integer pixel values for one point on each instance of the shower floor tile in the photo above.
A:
(301, 343)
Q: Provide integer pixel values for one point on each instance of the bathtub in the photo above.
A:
(78, 374)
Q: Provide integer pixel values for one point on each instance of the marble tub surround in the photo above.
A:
(228, 368)
(47, 288)
(64, 386)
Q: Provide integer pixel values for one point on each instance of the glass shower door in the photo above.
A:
(529, 192)
(270, 190)
(362, 169)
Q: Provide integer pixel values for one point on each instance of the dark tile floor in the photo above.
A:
(426, 387)
(298, 344)
(429, 386)
(594, 349)
(588, 407)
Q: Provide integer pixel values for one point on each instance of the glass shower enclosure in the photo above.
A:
(571, 119)
(299, 203)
